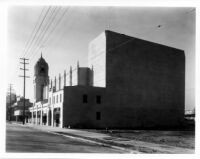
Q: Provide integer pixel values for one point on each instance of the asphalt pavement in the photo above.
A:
(37, 138)
(121, 143)
(26, 139)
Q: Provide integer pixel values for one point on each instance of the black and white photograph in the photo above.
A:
(100, 79)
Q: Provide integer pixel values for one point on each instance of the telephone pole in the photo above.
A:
(10, 94)
(24, 76)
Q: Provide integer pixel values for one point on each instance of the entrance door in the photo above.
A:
(49, 117)
(57, 117)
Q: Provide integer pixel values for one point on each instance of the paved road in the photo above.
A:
(25, 139)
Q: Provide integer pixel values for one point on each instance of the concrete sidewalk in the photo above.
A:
(131, 146)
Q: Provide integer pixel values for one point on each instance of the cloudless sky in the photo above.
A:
(68, 41)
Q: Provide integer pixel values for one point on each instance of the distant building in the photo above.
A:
(131, 83)
(18, 108)
(10, 99)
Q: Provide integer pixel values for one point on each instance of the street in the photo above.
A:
(24, 139)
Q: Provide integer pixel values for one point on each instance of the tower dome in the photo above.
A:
(41, 67)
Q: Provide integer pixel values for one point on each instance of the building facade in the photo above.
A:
(145, 81)
(133, 83)
(18, 110)
(10, 100)
(50, 100)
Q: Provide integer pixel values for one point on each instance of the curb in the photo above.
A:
(88, 140)
(120, 146)
(136, 150)
(95, 142)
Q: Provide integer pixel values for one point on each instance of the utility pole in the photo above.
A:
(10, 93)
(24, 76)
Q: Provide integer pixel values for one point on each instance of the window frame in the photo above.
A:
(85, 98)
(98, 115)
(98, 99)
(60, 98)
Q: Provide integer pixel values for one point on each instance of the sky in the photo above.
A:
(66, 32)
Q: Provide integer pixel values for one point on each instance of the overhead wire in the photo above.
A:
(58, 38)
(47, 37)
(31, 35)
(44, 31)
(58, 22)
(31, 43)
(37, 32)
(34, 29)
(51, 31)
(41, 31)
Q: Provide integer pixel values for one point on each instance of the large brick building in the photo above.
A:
(132, 83)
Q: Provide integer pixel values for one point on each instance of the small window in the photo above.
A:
(98, 115)
(42, 70)
(85, 100)
(53, 99)
(98, 99)
(34, 91)
(50, 100)
(57, 99)
(60, 97)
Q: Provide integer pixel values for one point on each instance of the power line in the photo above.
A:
(41, 29)
(42, 33)
(58, 22)
(47, 27)
(62, 33)
(53, 28)
(38, 29)
(28, 42)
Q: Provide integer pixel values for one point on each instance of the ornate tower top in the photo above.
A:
(41, 79)
(41, 67)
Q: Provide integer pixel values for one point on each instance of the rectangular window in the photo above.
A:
(34, 91)
(57, 99)
(53, 99)
(85, 100)
(98, 115)
(50, 100)
(60, 97)
(98, 99)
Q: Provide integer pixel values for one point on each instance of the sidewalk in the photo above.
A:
(131, 146)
